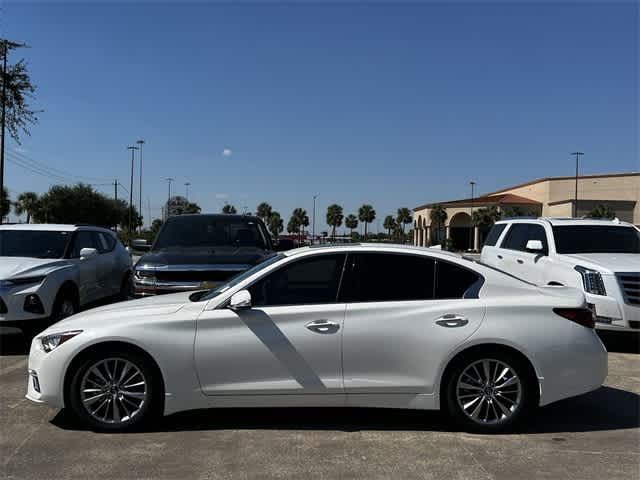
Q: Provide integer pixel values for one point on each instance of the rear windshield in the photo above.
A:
(33, 243)
(205, 231)
(596, 239)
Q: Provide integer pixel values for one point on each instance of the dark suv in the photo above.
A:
(195, 252)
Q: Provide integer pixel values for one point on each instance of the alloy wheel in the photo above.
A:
(489, 391)
(113, 390)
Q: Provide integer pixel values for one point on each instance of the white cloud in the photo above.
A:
(226, 152)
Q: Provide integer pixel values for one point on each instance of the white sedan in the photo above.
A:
(353, 325)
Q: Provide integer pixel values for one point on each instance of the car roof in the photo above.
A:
(51, 227)
(372, 247)
(567, 221)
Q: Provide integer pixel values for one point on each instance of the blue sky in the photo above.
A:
(389, 104)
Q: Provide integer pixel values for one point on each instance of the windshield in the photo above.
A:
(242, 276)
(596, 239)
(210, 231)
(33, 243)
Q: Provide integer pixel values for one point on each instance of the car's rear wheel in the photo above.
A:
(113, 392)
(490, 393)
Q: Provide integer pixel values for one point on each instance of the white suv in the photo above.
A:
(47, 272)
(601, 257)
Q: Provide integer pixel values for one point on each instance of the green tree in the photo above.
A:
(79, 204)
(19, 115)
(293, 225)
(27, 202)
(5, 203)
(302, 220)
(366, 214)
(389, 224)
(438, 215)
(403, 218)
(229, 209)
(155, 226)
(485, 217)
(274, 223)
(264, 211)
(602, 211)
(351, 222)
(334, 218)
(179, 205)
(518, 211)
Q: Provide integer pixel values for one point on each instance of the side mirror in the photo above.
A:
(535, 246)
(240, 300)
(88, 253)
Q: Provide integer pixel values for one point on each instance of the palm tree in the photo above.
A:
(334, 217)
(229, 209)
(389, 224)
(293, 226)
(486, 216)
(351, 222)
(438, 215)
(602, 211)
(403, 218)
(27, 202)
(5, 203)
(302, 220)
(275, 224)
(366, 214)
(264, 211)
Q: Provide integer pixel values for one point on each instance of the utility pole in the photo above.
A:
(473, 184)
(575, 198)
(115, 189)
(186, 184)
(141, 143)
(169, 180)
(130, 229)
(313, 222)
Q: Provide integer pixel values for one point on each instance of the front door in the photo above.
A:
(288, 342)
(520, 262)
(87, 267)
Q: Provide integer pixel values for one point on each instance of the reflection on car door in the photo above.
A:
(87, 267)
(289, 342)
(404, 314)
(519, 262)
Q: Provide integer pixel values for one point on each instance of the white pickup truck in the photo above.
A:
(601, 257)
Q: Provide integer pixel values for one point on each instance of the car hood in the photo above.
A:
(25, 267)
(128, 311)
(607, 262)
(205, 256)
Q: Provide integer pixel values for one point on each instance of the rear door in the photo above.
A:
(404, 314)
(491, 254)
(87, 267)
(520, 262)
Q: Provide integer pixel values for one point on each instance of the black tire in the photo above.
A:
(491, 397)
(65, 305)
(82, 377)
(126, 288)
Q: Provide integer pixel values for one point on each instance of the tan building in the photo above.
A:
(549, 197)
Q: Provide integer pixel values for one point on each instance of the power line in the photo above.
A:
(32, 169)
(53, 170)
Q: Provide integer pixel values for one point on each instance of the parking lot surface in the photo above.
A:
(594, 436)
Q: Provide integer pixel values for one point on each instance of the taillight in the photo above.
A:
(581, 316)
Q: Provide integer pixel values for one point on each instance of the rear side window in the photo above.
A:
(387, 277)
(108, 241)
(494, 234)
(520, 233)
(454, 281)
(312, 280)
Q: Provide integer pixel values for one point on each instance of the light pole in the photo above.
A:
(575, 198)
(169, 180)
(473, 184)
(313, 221)
(186, 185)
(141, 143)
(133, 151)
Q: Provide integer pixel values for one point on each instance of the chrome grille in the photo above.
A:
(630, 285)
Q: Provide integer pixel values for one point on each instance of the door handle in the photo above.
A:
(452, 320)
(323, 326)
(520, 261)
(499, 257)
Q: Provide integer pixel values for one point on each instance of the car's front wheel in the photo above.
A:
(113, 392)
(490, 393)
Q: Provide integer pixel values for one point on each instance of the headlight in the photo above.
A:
(22, 281)
(145, 274)
(49, 342)
(591, 280)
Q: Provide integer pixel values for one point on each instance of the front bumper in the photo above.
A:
(13, 302)
(612, 311)
(46, 375)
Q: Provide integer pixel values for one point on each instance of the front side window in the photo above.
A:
(387, 277)
(596, 239)
(310, 280)
(520, 233)
(33, 243)
(83, 239)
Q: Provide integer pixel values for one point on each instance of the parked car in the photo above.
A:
(600, 257)
(194, 252)
(48, 272)
(355, 325)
